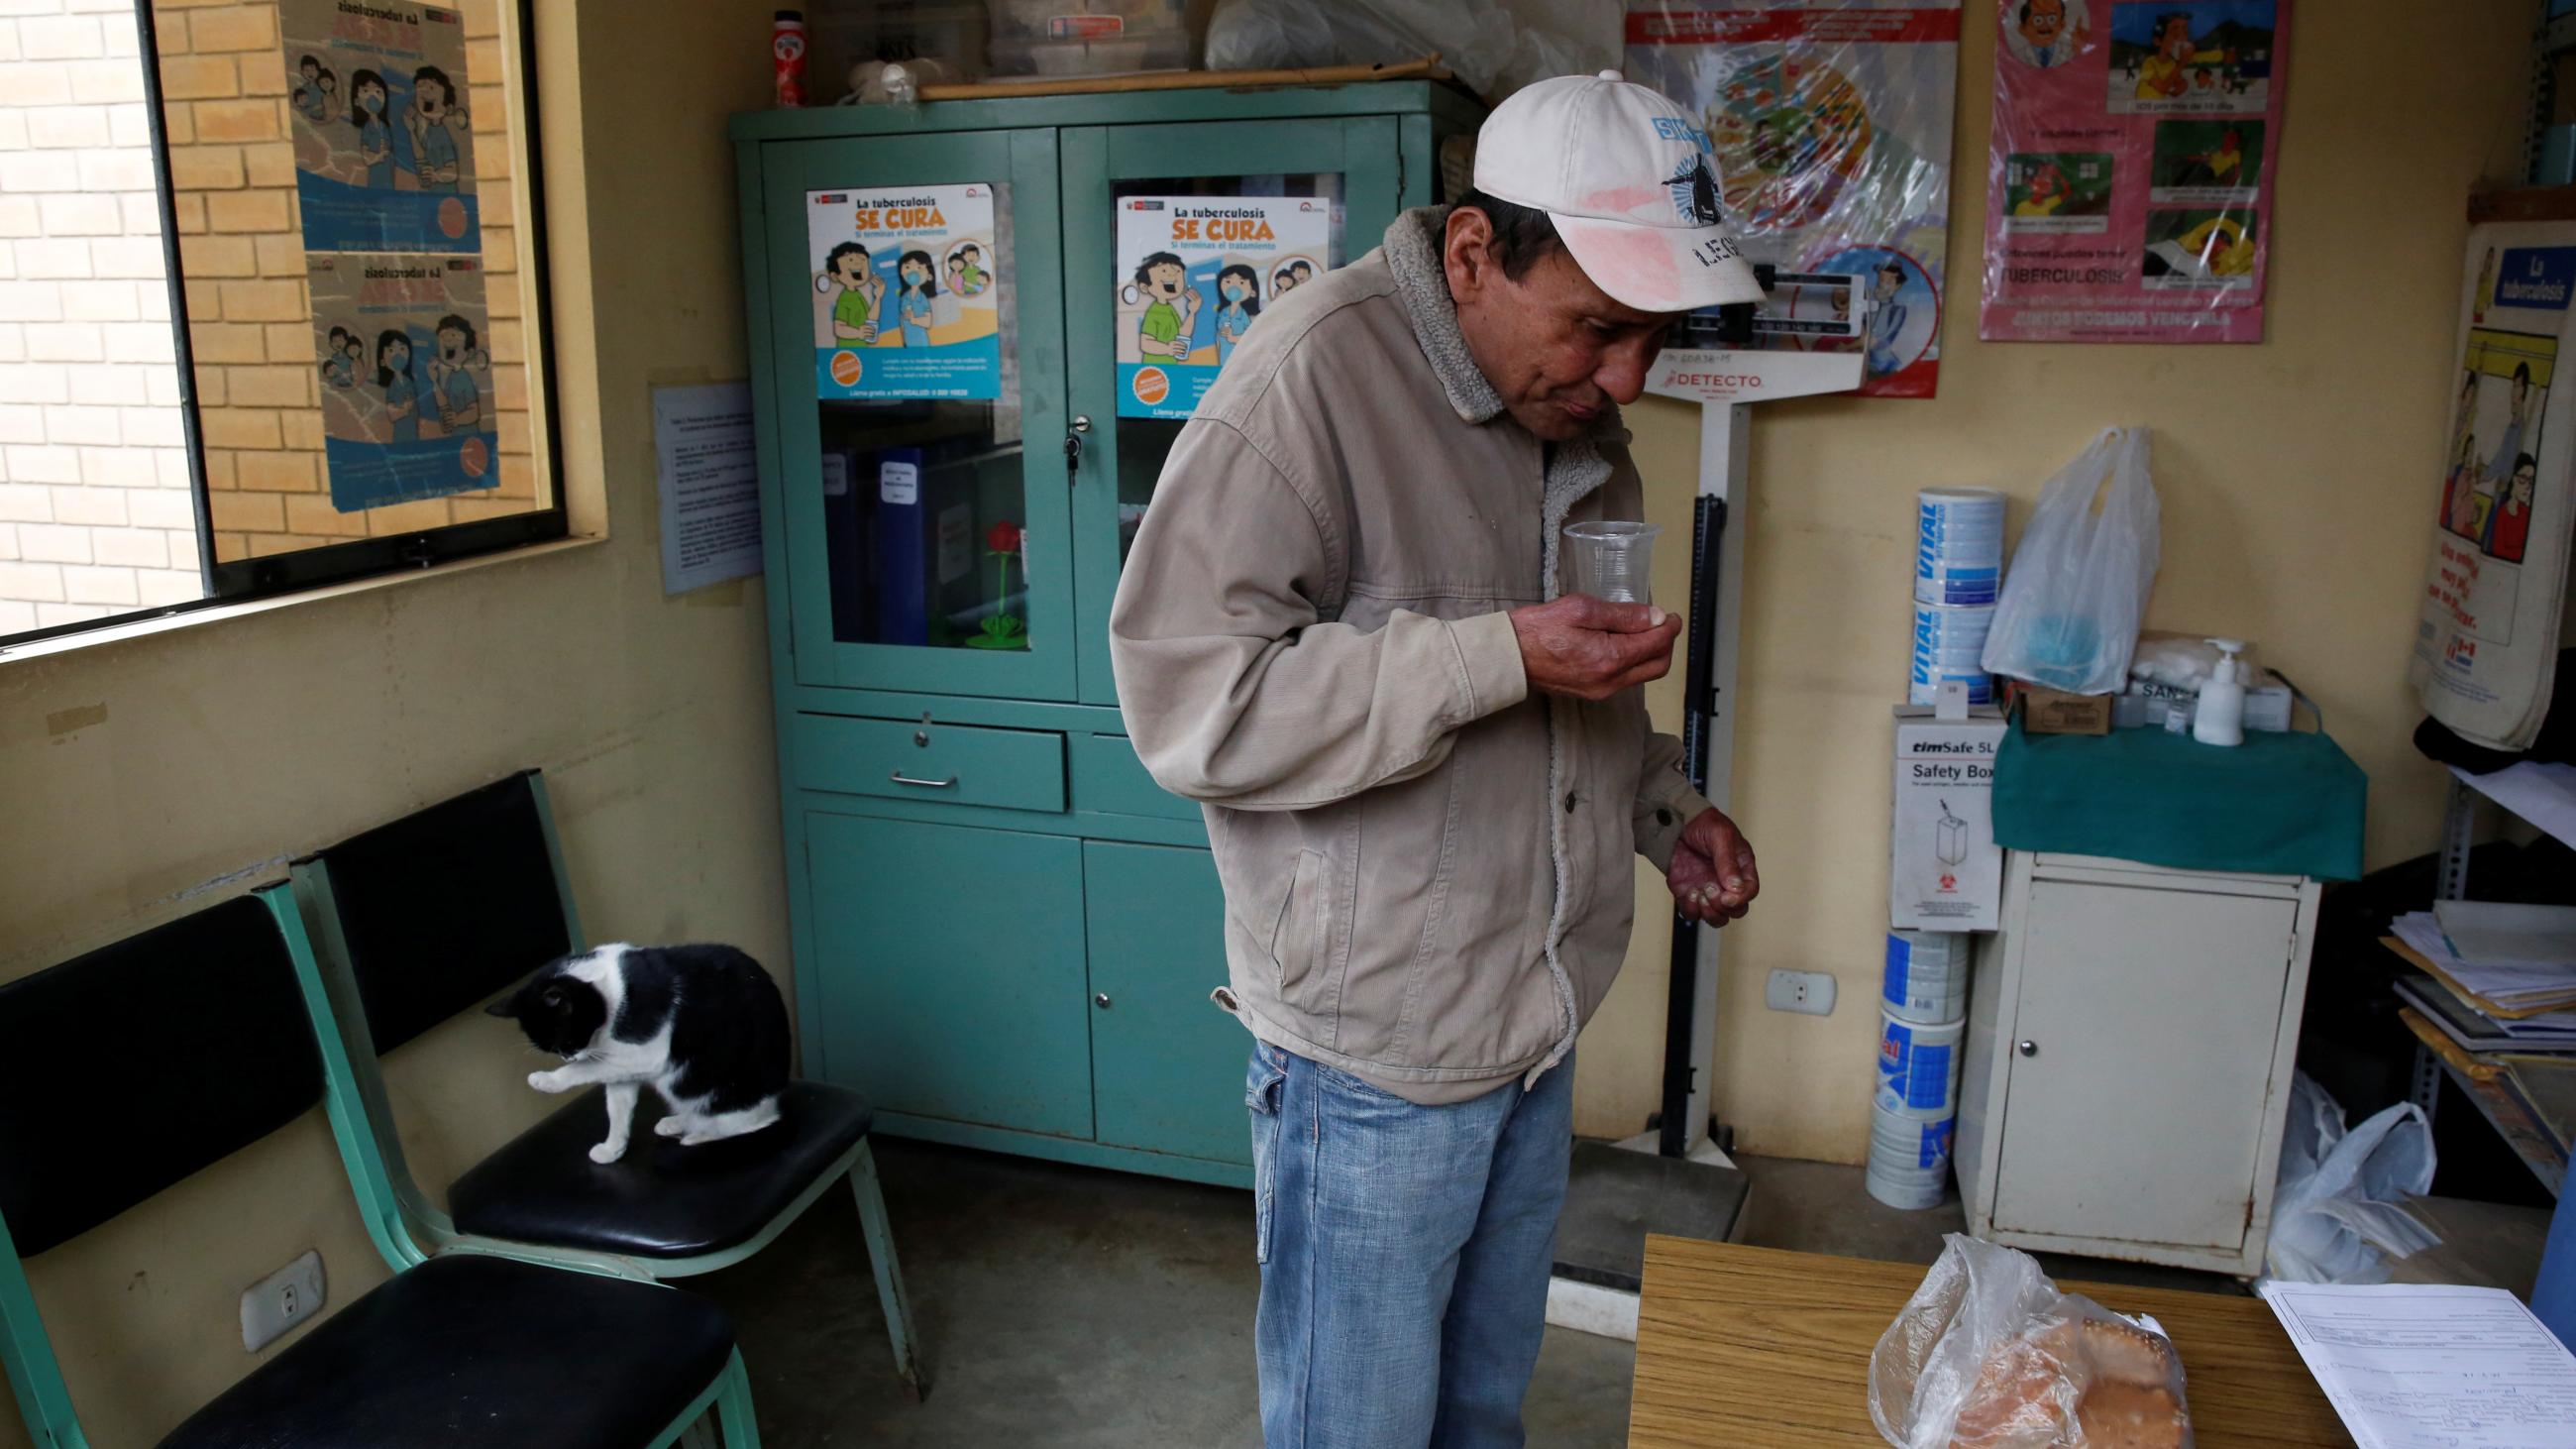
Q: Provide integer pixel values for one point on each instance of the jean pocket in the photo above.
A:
(1263, 1082)
(1358, 1088)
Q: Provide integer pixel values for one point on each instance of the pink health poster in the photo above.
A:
(2129, 185)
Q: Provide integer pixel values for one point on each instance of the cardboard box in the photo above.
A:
(2268, 704)
(2055, 712)
(1945, 872)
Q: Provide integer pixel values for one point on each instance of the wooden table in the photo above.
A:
(1753, 1346)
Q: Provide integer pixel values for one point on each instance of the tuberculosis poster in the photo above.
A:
(1194, 273)
(907, 292)
(384, 145)
(1830, 121)
(2130, 179)
(400, 341)
(2487, 635)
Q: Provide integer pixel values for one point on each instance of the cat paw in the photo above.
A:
(607, 1152)
(671, 1126)
(544, 1082)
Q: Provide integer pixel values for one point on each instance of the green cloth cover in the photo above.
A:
(2278, 804)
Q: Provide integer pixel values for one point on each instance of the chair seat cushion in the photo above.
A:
(473, 1349)
(661, 1200)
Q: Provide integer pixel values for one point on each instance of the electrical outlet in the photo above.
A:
(280, 1301)
(1811, 992)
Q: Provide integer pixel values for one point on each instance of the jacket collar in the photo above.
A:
(1412, 248)
(1413, 256)
(1575, 470)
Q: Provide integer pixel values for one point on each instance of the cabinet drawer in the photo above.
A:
(1108, 777)
(950, 764)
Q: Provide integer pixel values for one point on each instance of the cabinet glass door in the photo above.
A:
(917, 358)
(1175, 239)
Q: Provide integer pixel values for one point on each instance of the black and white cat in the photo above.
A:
(702, 1025)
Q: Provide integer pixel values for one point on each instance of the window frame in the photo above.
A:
(304, 570)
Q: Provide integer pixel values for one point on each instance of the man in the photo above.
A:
(2043, 31)
(1886, 320)
(854, 312)
(1425, 770)
(1171, 311)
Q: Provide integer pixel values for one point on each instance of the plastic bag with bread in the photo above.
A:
(1989, 1355)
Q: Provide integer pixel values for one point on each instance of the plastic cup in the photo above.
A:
(1610, 560)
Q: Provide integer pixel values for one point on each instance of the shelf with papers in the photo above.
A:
(2487, 1083)
(2544, 794)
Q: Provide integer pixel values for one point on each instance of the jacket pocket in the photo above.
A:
(1305, 921)
(1261, 1087)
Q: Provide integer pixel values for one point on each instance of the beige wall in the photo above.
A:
(142, 778)
(2296, 478)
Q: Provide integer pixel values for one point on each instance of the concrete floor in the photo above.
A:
(1063, 1306)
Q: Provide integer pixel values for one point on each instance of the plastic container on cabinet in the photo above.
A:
(1028, 20)
(1132, 52)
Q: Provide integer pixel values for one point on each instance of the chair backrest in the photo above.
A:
(122, 1072)
(127, 1069)
(439, 910)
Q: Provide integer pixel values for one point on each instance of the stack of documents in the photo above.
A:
(2511, 964)
(2494, 1003)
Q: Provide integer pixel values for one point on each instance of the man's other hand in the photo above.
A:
(1590, 649)
(1712, 873)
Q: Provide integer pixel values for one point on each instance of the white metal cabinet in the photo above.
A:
(2128, 1060)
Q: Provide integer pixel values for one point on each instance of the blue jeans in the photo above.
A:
(1404, 1255)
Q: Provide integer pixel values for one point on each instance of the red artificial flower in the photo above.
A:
(1003, 537)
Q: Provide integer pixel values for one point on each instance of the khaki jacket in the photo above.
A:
(1426, 866)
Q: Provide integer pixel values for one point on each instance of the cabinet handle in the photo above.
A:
(2030, 1048)
(900, 778)
(1101, 1001)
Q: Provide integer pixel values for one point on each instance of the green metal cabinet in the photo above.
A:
(990, 1027)
(1005, 933)
(1155, 919)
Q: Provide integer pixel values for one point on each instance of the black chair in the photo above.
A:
(434, 914)
(462, 1349)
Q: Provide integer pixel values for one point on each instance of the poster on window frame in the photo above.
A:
(2488, 631)
(401, 343)
(1830, 121)
(1194, 273)
(384, 146)
(907, 292)
(2129, 183)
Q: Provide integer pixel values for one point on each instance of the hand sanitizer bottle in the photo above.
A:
(2220, 720)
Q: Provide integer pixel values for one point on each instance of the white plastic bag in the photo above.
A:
(1989, 1355)
(2077, 590)
(2336, 1208)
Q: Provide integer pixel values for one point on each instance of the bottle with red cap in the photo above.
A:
(787, 56)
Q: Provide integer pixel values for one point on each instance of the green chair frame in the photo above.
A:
(36, 1376)
(406, 1226)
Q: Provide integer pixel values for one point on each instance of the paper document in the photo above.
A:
(2495, 933)
(2427, 1366)
(2511, 986)
(2475, 1031)
(2544, 794)
(710, 484)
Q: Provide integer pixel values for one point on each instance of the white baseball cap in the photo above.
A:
(1627, 177)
